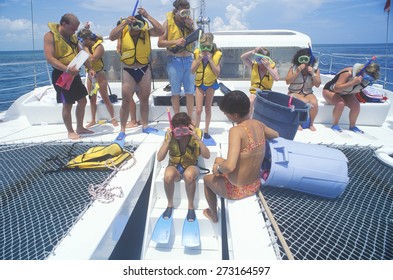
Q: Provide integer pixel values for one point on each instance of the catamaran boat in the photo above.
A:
(49, 212)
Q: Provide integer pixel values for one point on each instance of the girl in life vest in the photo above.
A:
(92, 44)
(206, 66)
(263, 71)
(184, 144)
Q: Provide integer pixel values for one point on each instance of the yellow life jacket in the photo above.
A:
(204, 73)
(190, 157)
(129, 53)
(175, 32)
(100, 157)
(265, 82)
(97, 65)
(64, 51)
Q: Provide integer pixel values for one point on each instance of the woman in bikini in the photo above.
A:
(341, 91)
(301, 78)
(238, 176)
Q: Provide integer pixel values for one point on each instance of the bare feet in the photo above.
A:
(312, 128)
(114, 122)
(90, 124)
(300, 128)
(132, 124)
(73, 136)
(208, 214)
(84, 131)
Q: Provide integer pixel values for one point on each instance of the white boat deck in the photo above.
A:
(36, 118)
(106, 234)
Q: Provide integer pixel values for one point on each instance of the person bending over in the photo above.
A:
(341, 91)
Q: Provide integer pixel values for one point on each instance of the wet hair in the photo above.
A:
(235, 102)
(299, 53)
(263, 51)
(181, 119)
(181, 4)
(373, 70)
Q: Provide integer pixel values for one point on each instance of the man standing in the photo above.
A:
(135, 34)
(178, 26)
(60, 48)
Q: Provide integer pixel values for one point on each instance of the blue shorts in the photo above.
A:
(215, 86)
(179, 72)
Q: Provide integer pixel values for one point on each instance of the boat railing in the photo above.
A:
(38, 73)
(332, 63)
(17, 82)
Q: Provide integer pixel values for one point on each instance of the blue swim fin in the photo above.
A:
(120, 139)
(151, 130)
(208, 140)
(191, 235)
(162, 229)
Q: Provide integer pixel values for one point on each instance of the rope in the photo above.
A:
(100, 192)
(275, 226)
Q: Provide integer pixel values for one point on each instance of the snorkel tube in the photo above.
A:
(135, 7)
(312, 57)
(365, 66)
(169, 117)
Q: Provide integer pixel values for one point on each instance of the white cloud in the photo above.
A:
(235, 16)
(14, 25)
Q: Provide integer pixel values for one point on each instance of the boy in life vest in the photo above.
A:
(207, 67)
(263, 71)
(184, 144)
(92, 44)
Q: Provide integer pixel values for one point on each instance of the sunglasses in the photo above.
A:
(206, 48)
(303, 59)
(184, 13)
(181, 131)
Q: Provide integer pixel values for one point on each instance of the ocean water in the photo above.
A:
(17, 79)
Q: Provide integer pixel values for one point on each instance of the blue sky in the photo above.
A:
(325, 21)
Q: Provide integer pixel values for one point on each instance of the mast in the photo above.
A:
(32, 35)
(387, 9)
(199, 7)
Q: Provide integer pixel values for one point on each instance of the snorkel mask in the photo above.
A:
(137, 25)
(303, 59)
(368, 80)
(181, 131)
(184, 13)
(206, 48)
